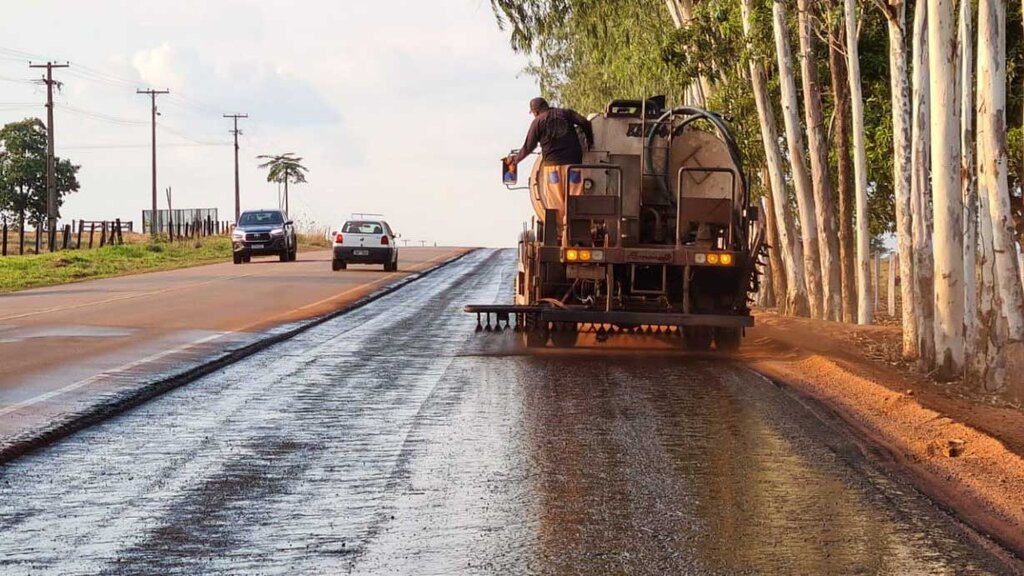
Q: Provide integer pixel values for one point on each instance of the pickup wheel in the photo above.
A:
(285, 255)
(338, 265)
(236, 258)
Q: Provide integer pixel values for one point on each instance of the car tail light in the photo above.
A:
(383, 240)
(339, 239)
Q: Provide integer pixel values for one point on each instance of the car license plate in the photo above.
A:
(257, 246)
(361, 252)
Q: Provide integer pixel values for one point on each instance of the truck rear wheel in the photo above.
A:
(728, 339)
(697, 337)
(565, 335)
(535, 335)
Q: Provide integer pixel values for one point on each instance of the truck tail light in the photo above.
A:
(339, 239)
(384, 240)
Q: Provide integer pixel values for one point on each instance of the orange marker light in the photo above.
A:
(712, 258)
(726, 259)
(571, 255)
(584, 255)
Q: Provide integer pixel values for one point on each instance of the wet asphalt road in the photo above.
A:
(393, 440)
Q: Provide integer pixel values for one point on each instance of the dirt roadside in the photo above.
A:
(963, 449)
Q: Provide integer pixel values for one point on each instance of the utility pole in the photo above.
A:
(236, 132)
(152, 95)
(51, 174)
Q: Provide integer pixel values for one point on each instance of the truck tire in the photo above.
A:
(535, 336)
(236, 258)
(284, 255)
(697, 337)
(337, 265)
(728, 339)
(565, 335)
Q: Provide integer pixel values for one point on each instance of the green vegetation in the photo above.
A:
(23, 171)
(21, 272)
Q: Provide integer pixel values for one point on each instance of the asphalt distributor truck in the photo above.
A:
(659, 236)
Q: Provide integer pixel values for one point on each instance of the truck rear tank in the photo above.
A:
(653, 231)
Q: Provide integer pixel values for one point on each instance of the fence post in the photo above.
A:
(120, 238)
(78, 243)
(3, 249)
(103, 234)
(92, 231)
(39, 234)
(51, 237)
(170, 228)
(892, 284)
(66, 230)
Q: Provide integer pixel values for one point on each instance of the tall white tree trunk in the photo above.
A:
(947, 205)
(864, 309)
(896, 17)
(968, 189)
(817, 142)
(992, 177)
(801, 179)
(920, 160)
(796, 297)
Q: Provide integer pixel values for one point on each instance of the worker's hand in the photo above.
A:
(510, 161)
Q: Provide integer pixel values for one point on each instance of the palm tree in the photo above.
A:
(284, 168)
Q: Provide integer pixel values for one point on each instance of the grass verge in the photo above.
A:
(21, 272)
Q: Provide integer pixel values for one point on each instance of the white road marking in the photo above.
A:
(107, 374)
(135, 363)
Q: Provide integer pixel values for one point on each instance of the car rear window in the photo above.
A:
(362, 228)
(257, 218)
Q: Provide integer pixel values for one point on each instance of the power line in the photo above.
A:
(128, 146)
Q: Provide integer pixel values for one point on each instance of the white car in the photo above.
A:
(365, 241)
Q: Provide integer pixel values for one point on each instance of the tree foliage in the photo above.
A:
(23, 171)
(283, 168)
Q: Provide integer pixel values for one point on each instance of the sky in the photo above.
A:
(402, 108)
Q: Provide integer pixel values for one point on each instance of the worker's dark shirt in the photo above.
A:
(555, 131)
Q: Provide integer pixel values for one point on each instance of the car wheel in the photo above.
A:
(284, 255)
(295, 254)
(237, 258)
(337, 265)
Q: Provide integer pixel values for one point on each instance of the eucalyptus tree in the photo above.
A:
(992, 160)
(817, 143)
(864, 310)
(896, 18)
(798, 167)
(968, 187)
(920, 160)
(947, 204)
(777, 194)
(844, 163)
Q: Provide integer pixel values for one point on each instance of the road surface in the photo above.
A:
(393, 440)
(63, 345)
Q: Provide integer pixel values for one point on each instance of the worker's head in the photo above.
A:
(538, 105)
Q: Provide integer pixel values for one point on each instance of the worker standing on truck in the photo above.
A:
(555, 130)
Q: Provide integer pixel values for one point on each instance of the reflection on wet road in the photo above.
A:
(394, 441)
